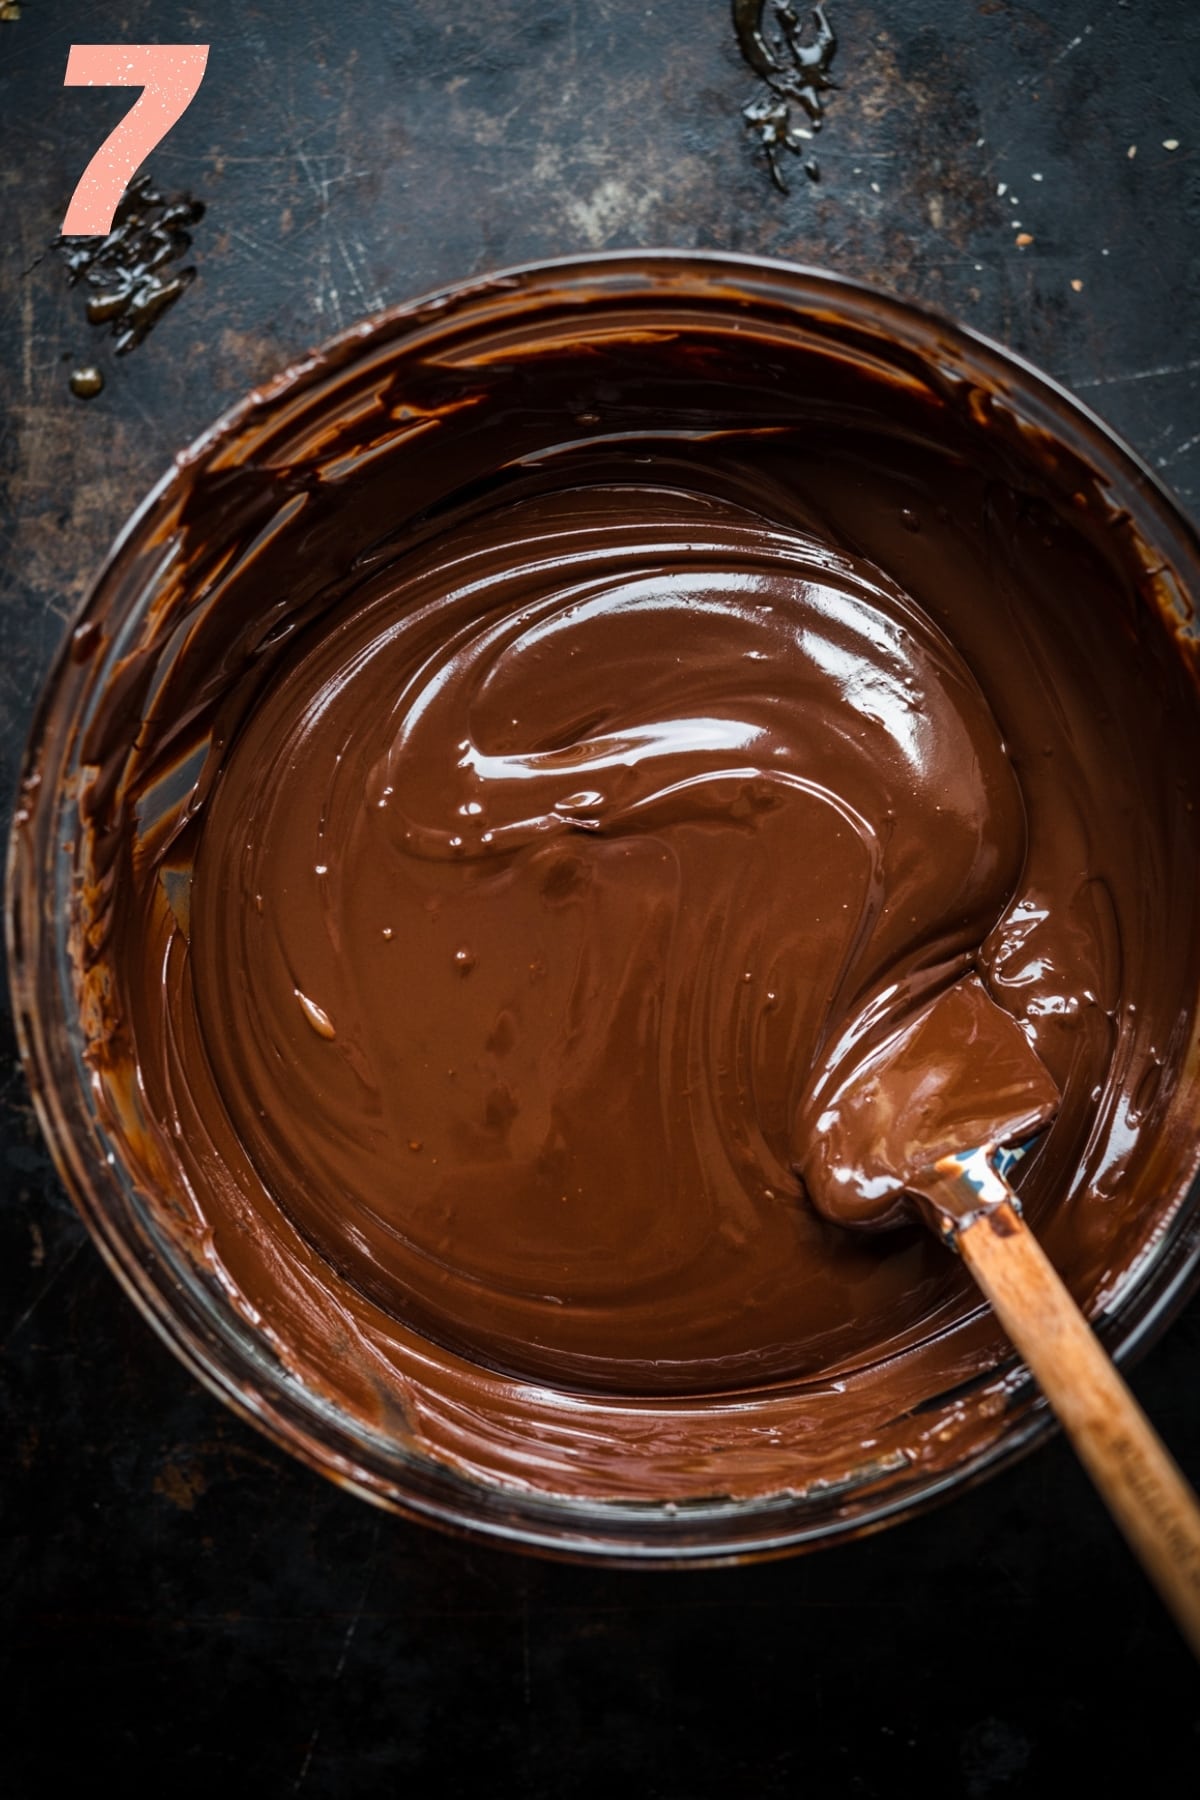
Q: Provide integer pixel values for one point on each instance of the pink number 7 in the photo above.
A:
(169, 74)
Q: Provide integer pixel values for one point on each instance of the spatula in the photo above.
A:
(926, 1123)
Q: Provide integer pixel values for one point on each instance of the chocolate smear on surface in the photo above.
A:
(795, 75)
(137, 273)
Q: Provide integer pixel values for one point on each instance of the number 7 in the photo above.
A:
(169, 75)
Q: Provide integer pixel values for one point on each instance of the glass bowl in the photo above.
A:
(377, 1457)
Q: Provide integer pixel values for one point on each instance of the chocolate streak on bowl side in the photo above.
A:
(546, 755)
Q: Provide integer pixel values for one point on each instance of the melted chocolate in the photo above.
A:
(551, 767)
(956, 1075)
(795, 74)
(132, 275)
(86, 382)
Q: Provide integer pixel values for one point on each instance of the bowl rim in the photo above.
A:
(550, 1526)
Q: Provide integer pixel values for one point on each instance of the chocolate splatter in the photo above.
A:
(86, 382)
(795, 74)
(133, 273)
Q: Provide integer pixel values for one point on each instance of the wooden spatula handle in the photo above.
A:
(1142, 1485)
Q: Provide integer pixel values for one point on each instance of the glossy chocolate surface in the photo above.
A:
(538, 787)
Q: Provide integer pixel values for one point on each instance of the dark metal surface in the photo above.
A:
(182, 1606)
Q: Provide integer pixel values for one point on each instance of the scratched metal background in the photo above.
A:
(181, 1605)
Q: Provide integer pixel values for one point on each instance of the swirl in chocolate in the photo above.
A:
(564, 774)
(566, 854)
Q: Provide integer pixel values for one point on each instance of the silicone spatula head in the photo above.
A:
(959, 1075)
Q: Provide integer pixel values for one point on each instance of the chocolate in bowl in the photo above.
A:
(493, 776)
